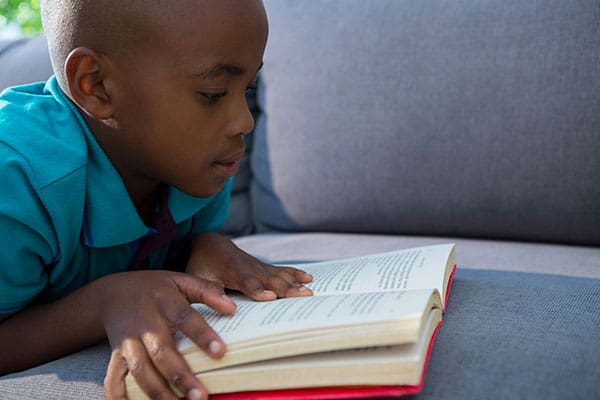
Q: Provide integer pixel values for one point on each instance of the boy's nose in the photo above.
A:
(242, 121)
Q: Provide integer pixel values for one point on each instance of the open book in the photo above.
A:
(367, 331)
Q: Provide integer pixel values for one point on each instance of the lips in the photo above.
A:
(229, 165)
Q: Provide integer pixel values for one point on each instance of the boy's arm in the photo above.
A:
(139, 312)
(216, 258)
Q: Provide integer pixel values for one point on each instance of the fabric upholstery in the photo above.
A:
(567, 260)
(509, 335)
(458, 118)
(24, 61)
(74, 377)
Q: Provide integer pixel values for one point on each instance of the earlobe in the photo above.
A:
(85, 75)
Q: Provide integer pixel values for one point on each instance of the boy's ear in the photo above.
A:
(85, 73)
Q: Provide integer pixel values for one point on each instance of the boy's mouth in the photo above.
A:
(230, 165)
(227, 169)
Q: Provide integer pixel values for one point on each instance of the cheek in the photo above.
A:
(198, 129)
(138, 114)
(189, 140)
(175, 128)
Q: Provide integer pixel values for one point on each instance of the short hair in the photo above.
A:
(101, 25)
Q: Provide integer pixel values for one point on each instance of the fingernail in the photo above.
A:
(226, 298)
(194, 394)
(270, 292)
(215, 346)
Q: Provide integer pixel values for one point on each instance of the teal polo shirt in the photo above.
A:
(66, 218)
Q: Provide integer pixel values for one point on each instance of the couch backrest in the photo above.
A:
(24, 61)
(469, 118)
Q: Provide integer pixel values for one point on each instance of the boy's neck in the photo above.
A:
(142, 191)
(146, 208)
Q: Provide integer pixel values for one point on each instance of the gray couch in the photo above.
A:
(386, 124)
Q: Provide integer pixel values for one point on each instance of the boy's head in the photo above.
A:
(161, 83)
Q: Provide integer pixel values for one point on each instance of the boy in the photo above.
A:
(131, 145)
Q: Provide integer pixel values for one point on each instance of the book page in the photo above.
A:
(383, 365)
(415, 268)
(253, 320)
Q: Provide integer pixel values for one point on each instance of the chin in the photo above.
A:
(205, 190)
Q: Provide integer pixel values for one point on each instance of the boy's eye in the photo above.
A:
(211, 97)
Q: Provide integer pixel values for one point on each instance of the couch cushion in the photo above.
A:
(580, 261)
(435, 118)
(75, 377)
(510, 335)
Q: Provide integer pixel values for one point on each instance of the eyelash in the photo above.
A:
(214, 97)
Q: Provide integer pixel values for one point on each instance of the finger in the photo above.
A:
(114, 382)
(187, 320)
(283, 273)
(198, 290)
(286, 287)
(191, 323)
(293, 275)
(144, 372)
(298, 291)
(298, 274)
(254, 288)
(171, 365)
(282, 281)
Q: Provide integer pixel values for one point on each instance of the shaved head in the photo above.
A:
(101, 25)
(117, 27)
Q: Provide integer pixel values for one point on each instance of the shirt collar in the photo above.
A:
(110, 217)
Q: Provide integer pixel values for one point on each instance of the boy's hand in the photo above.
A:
(141, 312)
(216, 258)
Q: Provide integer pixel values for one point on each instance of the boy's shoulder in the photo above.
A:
(41, 134)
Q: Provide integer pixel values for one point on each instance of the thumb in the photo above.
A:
(198, 290)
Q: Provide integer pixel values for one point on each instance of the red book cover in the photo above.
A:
(450, 279)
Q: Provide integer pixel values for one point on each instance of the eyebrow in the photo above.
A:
(221, 69)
